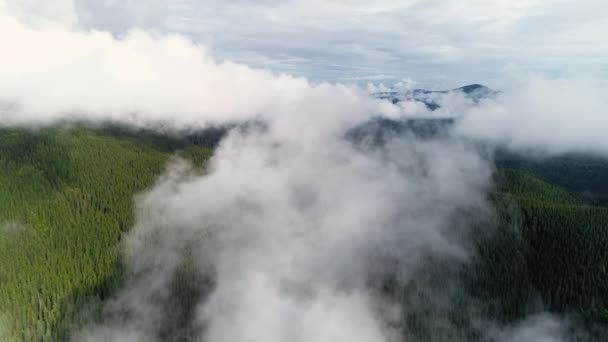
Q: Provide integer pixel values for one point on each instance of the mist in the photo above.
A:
(291, 229)
(543, 116)
(59, 74)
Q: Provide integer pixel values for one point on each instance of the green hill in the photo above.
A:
(585, 175)
(550, 244)
(65, 202)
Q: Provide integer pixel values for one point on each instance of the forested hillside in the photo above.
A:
(552, 244)
(585, 175)
(543, 251)
(66, 199)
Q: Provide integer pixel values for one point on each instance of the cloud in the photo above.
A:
(542, 328)
(549, 116)
(532, 114)
(57, 73)
(114, 16)
(4, 328)
(119, 17)
(465, 42)
(379, 77)
(294, 233)
(10, 230)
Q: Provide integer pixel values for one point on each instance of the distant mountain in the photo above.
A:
(378, 131)
(432, 98)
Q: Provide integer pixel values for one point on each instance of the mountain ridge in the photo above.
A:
(431, 98)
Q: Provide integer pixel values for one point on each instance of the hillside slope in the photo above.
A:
(66, 198)
(560, 249)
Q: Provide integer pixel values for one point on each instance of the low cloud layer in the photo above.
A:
(296, 235)
(58, 74)
(532, 114)
(544, 116)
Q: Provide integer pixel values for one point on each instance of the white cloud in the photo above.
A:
(119, 16)
(58, 72)
(544, 115)
(295, 231)
(542, 328)
(378, 77)
(467, 41)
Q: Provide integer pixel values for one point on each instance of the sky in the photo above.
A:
(436, 43)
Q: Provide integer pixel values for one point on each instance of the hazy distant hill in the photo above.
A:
(431, 98)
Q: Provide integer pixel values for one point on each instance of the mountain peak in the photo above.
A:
(431, 98)
(471, 88)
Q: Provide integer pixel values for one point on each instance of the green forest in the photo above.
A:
(561, 249)
(66, 201)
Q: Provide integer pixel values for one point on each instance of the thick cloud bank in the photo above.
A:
(544, 116)
(296, 234)
(57, 74)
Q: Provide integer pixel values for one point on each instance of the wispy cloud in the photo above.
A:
(466, 41)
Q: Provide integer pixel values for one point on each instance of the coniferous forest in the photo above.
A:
(67, 199)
